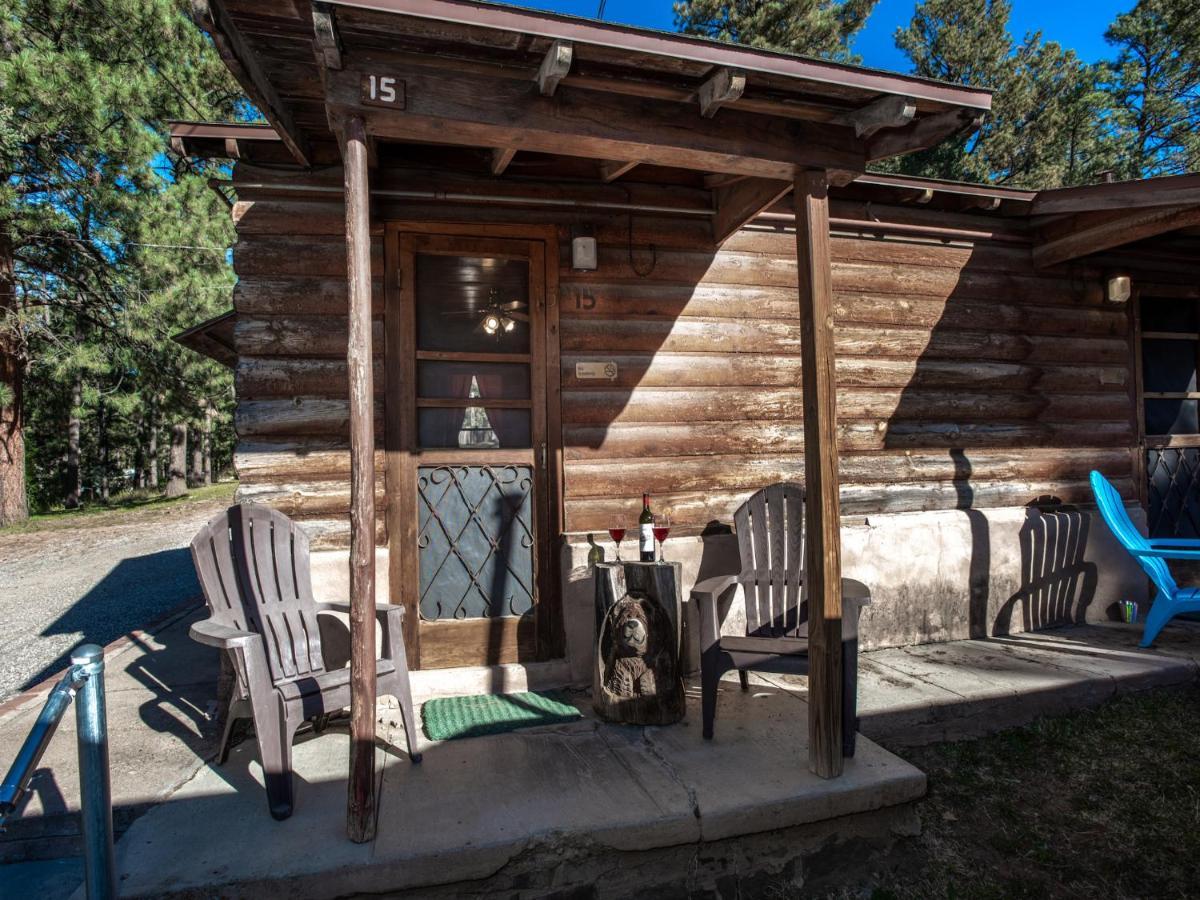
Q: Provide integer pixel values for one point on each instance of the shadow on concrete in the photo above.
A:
(135, 591)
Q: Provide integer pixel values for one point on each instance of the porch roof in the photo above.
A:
(486, 75)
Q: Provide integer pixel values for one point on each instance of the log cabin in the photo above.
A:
(501, 272)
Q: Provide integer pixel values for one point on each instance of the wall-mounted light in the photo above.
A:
(583, 249)
(1118, 287)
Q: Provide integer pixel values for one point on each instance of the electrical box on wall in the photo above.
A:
(583, 254)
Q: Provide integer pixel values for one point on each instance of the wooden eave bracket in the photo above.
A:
(612, 170)
(924, 132)
(737, 204)
(326, 40)
(501, 157)
(724, 86)
(212, 16)
(1083, 234)
(886, 112)
(555, 66)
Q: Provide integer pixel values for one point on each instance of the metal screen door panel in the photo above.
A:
(1173, 477)
(475, 540)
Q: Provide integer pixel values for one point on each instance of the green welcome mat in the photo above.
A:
(448, 718)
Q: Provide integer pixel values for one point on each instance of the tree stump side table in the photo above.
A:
(637, 675)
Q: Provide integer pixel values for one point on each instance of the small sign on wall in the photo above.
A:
(383, 90)
(604, 370)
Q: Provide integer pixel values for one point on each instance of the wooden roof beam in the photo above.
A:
(738, 203)
(212, 16)
(466, 108)
(1090, 233)
(555, 66)
(926, 131)
(1172, 190)
(725, 86)
(612, 170)
(886, 112)
(501, 157)
(326, 40)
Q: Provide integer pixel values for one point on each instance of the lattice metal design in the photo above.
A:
(475, 534)
(1174, 492)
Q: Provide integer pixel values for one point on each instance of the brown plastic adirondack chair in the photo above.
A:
(253, 565)
(770, 534)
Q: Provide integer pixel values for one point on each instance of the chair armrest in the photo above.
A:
(214, 634)
(1165, 553)
(390, 617)
(715, 586)
(706, 595)
(1183, 543)
(382, 610)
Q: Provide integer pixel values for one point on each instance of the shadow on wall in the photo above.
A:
(998, 384)
(1057, 583)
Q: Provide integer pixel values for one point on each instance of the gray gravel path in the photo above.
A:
(113, 573)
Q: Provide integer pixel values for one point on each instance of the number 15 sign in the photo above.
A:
(383, 90)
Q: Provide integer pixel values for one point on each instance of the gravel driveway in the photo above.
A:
(102, 577)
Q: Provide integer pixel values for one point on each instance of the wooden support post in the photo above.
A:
(360, 809)
(822, 562)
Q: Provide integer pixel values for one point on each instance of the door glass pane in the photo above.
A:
(474, 428)
(458, 295)
(460, 380)
(1171, 417)
(1168, 314)
(1168, 366)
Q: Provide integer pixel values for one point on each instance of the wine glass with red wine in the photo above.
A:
(618, 535)
(661, 528)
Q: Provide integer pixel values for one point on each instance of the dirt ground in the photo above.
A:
(67, 579)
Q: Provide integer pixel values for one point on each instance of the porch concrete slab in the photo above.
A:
(160, 694)
(474, 806)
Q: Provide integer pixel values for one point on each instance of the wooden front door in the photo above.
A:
(466, 447)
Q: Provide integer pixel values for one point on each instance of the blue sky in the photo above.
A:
(1078, 24)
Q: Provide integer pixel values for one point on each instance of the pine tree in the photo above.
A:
(85, 89)
(1155, 87)
(808, 27)
(1045, 127)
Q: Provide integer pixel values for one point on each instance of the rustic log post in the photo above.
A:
(360, 810)
(822, 563)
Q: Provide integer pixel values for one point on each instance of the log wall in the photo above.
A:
(966, 379)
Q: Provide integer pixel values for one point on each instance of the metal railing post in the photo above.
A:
(95, 791)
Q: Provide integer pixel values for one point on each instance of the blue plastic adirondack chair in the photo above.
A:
(1171, 599)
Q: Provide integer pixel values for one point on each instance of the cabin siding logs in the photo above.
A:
(965, 377)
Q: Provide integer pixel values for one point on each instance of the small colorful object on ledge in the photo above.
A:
(1129, 611)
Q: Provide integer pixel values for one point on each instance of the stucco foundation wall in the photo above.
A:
(934, 576)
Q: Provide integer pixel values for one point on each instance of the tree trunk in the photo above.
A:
(152, 448)
(177, 474)
(74, 482)
(196, 474)
(102, 414)
(13, 505)
(139, 452)
(208, 455)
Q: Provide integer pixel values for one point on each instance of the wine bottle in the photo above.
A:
(646, 531)
(596, 554)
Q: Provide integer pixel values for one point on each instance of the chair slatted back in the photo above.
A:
(770, 533)
(1112, 510)
(253, 565)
